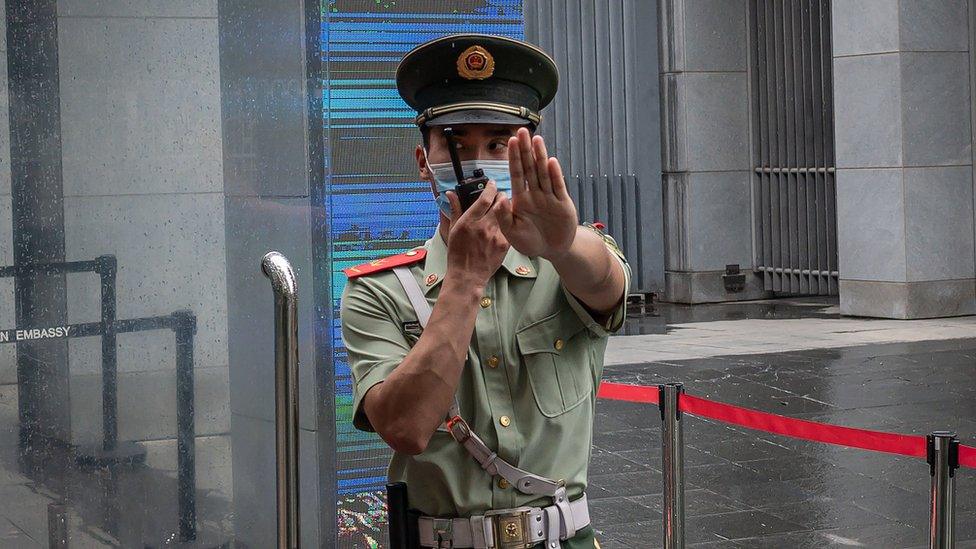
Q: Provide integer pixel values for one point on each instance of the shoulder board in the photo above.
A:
(386, 263)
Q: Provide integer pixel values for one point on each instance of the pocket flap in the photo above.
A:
(541, 336)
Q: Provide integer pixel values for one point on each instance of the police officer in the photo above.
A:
(477, 356)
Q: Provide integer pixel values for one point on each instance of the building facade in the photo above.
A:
(737, 149)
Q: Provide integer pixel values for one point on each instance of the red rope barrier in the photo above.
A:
(878, 441)
(967, 456)
(630, 393)
(906, 445)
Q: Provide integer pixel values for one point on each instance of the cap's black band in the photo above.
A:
(521, 112)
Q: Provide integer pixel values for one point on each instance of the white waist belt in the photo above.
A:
(508, 528)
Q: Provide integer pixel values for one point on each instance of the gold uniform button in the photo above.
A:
(485, 302)
(493, 361)
(505, 421)
(502, 483)
(558, 344)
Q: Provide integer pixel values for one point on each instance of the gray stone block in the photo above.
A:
(871, 225)
(864, 26)
(137, 8)
(3, 35)
(8, 353)
(935, 107)
(676, 222)
(263, 103)
(715, 35)
(939, 223)
(253, 454)
(719, 220)
(4, 126)
(708, 123)
(867, 118)
(906, 300)
(708, 287)
(213, 462)
(673, 145)
(931, 25)
(147, 405)
(254, 227)
(140, 106)
(671, 28)
(708, 221)
(170, 253)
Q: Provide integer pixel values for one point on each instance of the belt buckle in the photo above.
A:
(511, 528)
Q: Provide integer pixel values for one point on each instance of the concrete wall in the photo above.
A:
(904, 158)
(705, 148)
(8, 353)
(143, 181)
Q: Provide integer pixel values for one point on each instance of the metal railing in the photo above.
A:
(113, 452)
(942, 454)
(794, 190)
(278, 269)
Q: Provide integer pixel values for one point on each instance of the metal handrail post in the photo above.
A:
(943, 458)
(277, 268)
(673, 466)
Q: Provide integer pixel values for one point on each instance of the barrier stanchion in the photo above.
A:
(185, 326)
(285, 285)
(943, 457)
(673, 465)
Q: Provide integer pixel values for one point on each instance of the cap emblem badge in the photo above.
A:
(475, 63)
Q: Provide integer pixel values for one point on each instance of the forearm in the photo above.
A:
(412, 402)
(590, 273)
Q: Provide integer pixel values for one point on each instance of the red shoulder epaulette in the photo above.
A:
(385, 263)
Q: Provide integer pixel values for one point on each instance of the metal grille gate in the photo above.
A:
(604, 123)
(794, 196)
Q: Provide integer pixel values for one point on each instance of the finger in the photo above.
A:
(541, 156)
(484, 201)
(504, 213)
(515, 167)
(455, 202)
(528, 160)
(555, 172)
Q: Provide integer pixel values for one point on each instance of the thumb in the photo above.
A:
(455, 202)
(504, 213)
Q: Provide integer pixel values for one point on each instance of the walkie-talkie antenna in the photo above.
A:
(452, 149)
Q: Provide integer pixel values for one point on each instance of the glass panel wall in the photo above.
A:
(150, 154)
(114, 372)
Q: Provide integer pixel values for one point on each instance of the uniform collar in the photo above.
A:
(435, 263)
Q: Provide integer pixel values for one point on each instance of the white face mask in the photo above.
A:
(444, 179)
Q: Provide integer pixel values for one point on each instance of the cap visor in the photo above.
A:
(478, 117)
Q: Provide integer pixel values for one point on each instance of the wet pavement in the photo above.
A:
(743, 488)
(751, 489)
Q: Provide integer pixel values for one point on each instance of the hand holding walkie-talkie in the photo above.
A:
(467, 189)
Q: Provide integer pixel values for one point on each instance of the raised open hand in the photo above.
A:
(540, 219)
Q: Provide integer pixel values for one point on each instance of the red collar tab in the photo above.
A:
(386, 263)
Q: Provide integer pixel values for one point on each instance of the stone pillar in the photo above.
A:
(904, 158)
(271, 124)
(705, 149)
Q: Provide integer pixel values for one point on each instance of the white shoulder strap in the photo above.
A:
(414, 293)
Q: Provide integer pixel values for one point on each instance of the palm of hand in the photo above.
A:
(540, 220)
(542, 224)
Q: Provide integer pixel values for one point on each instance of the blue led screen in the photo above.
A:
(376, 204)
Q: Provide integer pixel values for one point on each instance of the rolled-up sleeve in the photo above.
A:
(616, 319)
(374, 343)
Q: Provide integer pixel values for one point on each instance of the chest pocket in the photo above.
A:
(555, 350)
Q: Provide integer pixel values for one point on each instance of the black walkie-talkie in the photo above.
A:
(468, 189)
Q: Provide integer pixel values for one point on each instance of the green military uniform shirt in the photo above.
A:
(528, 387)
